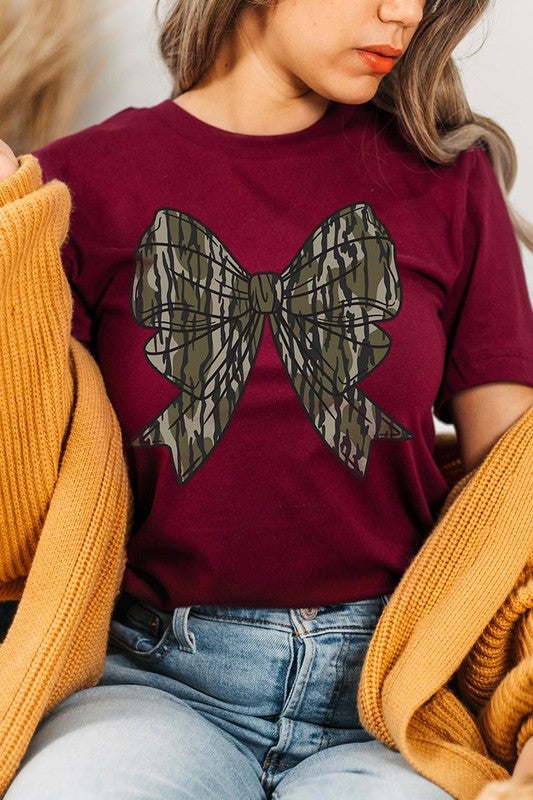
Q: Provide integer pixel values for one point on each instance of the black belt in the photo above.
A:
(129, 610)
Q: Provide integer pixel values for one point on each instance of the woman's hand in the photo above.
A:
(520, 785)
(524, 765)
(513, 789)
(8, 161)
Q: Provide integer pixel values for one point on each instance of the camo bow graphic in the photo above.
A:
(323, 309)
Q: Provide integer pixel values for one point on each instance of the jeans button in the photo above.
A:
(309, 613)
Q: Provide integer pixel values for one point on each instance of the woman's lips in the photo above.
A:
(380, 64)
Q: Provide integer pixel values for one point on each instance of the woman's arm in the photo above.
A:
(483, 413)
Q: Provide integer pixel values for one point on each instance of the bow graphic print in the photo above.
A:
(323, 309)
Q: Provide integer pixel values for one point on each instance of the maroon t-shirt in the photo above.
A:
(274, 318)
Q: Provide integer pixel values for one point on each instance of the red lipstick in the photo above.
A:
(379, 57)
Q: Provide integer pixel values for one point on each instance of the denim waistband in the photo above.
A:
(130, 608)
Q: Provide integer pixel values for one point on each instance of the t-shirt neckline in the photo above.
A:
(205, 134)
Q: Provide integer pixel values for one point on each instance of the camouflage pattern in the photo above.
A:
(323, 308)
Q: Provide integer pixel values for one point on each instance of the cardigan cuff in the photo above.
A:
(26, 179)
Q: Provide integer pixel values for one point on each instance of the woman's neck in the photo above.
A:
(244, 91)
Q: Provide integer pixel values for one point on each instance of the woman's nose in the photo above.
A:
(406, 12)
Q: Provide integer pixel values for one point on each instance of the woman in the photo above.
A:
(279, 183)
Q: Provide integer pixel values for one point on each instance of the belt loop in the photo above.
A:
(385, 599)
(184, 637)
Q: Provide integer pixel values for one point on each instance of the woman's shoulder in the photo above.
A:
(127, 130)
(381, 132)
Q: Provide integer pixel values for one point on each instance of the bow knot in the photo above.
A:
(265, 291)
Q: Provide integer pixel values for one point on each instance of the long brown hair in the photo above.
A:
(42, 48)
(424, 91)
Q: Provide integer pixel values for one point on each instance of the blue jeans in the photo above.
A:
(221, 703)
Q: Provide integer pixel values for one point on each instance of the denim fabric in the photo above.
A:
(222, 703)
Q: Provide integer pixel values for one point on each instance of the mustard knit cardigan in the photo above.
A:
(448, 678)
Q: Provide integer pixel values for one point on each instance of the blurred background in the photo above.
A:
(67, 64)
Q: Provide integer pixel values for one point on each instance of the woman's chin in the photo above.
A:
(351, 94)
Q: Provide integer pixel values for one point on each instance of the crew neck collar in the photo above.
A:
(252, 144)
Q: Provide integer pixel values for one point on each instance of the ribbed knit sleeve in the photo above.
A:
(36, 387)
(65, 502)
(497, 676)
(464, 594)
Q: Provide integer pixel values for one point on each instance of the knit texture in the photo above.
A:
(65, 502)
(463, 611)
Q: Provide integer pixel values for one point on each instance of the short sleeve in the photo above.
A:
(487, 317)
(53, 165)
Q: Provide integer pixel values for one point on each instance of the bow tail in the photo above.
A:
(192, 426)
(347, 421)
